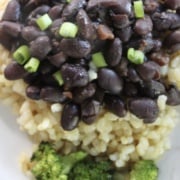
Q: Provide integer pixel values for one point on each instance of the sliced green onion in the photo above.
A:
(98, 60)
(138, 9)
(22, 54)
(58, 77)
(135, 56)
(44, 22)
(68, 1)
(32, 65)
(68, 30)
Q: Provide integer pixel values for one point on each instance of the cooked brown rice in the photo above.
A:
(122, 139)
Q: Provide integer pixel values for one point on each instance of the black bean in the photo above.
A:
(89, 111)
(173, 96)
(150, 6)
(55, 27)
(74, 75)
(75, 47)
(124, 34)
(119, 7)
(149, 70)
(99, 94)
(172, 39)
(152, 89)
(122, 68)
(14, 71)
(46, 68)
(82, 93)
(113, 53)
(143, 26)
(172, 4)
(12, 12)
(120, 20)
(161, 58)
(32, 78)
(30, 33)
(145, 109)
(57, 59)
(55, 11)
(33, 92)
(86, 28)
(130, 89)
(115, 105)
(165, 20)
(70, 116)
(11, 28)
(110, 81)
(72, 8)
(52, 94)
(133, 75)
(40, 47)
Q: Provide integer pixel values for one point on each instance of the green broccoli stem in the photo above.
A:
(70, 160)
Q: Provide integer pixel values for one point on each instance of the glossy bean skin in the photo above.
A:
(115, 105)
(33, 92)
(110, 81)
(89, 111)
(144, 108)
(14, 71)
(70, 116)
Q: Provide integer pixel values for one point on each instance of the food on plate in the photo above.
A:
(46, 163)
(98, 76)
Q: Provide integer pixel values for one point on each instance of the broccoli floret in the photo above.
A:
(144, 170)
(90, 169)
(47, 164)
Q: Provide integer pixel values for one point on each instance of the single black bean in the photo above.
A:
(30, 33)
(55, 11)
(144, 108)
(173, 96)
(150, 6)
(130, 89)
(12, 11)
(122, 68)
(70, 116)
(172, 39)
(172, 4)
(89, 111)
(119, 7)
(14, 71)
(124, 34)
(72, 8)
(113, 53)
(120, 20)
(33, 92)
(115, 105)
(52, 94)
(74, 75)
(166, 20)
(133, 75)
(143, 26)
(86, 28)
(40, 47)
(75, 47)
(11, 28)
(152, 89)
(110, 81)
(57, 59)
(160, 57)
(82, 93)
(149, 70)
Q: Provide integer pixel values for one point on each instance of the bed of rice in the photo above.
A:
(122, 139)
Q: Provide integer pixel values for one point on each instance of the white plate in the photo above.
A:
(13, 142)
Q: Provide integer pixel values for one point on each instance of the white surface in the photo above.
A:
(14, 142)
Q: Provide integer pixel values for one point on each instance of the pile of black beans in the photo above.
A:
(107, 26)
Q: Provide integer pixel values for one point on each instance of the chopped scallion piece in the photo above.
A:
(58, 77)
(44, 22)
(22, 54)
(68, 30)
(138, 9)
(32, 65)
(135, 56)
(68, 1)
(98, 60)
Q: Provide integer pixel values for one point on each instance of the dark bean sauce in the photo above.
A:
(90, 69)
